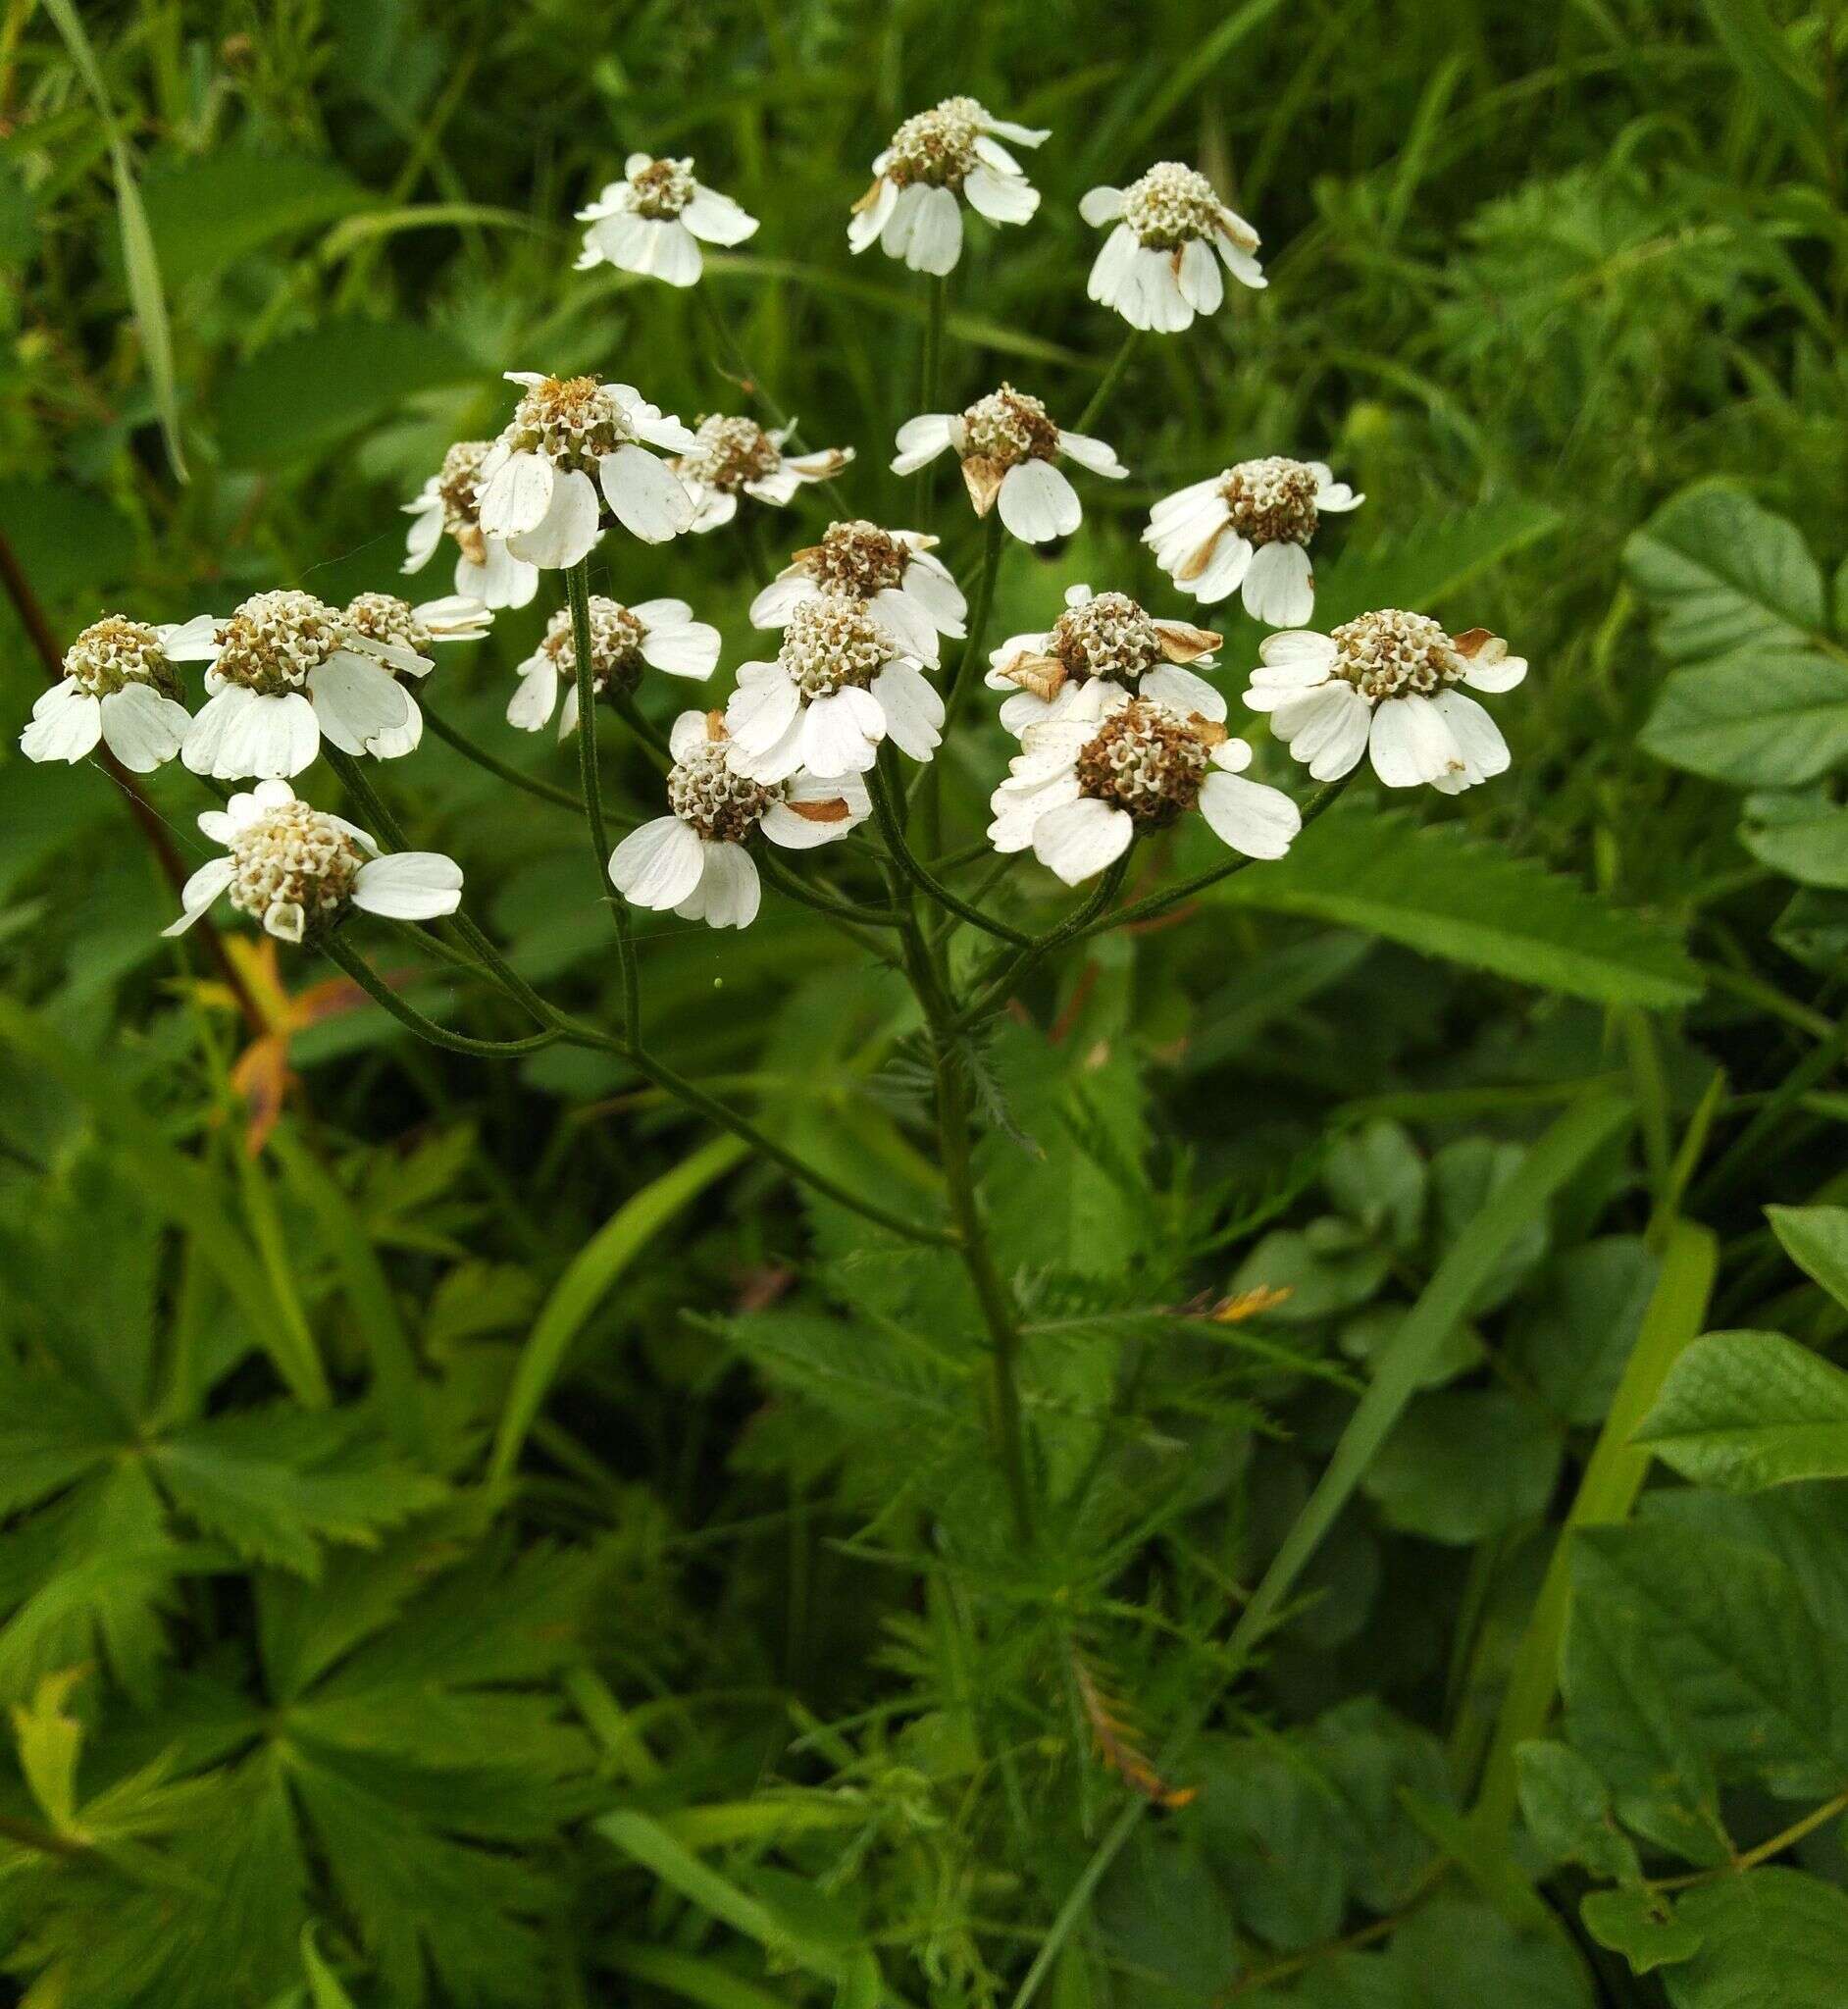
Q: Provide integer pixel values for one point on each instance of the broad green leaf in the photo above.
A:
(304, 394)
(1802, 834)
(1567, 1809)
(1746, 1409)
(1165, 1922)
(1773, 1939)
(1816, 1239)
(211, 209)
(1722, 574)
(1464, 1463)
(1641, 1925)
(1446, 894)
(1770, 716)
(1269, 1826)
(1575, 1328)
(591, 1277)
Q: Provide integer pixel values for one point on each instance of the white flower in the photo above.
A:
(893, 571)
(484, 569)
(1009, 448)
(694, 860)
(1157, 267)
(1386, 684)
(299, 870)
(569, 437)
(1248, 526)
(954, 149)
(841, 682)
(1103, 635)
(730, 456)
(417, 630)
(285, 669)
(662, 633)
(119, 686)
(1114, 765)
(652, 222)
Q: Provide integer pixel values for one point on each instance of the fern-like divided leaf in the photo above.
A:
(1437, 889)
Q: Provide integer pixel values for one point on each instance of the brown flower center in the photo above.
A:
(830, 642)
(384, 617)
(1149, 760)
(615, 646)
(857, 558)
(1007, 427)
(1107, 636)
(1390, 653)
(294, 869)
(1271, 501)
(706, 795)
(726, 454)
(937, 147)
(663, 188)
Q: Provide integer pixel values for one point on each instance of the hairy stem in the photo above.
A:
(501, 770)
(407, 1014)
(1101, 396)
(577, 595)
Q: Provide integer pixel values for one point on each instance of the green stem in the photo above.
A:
(1073, 928)
(407, 1014)
(578, 594)
(738, 364)
(930, 382)
(1101, 396)
(624, 705)
(501, 770)
(919, 874)
(792, 887)
(928, 787)
(366, 799)
(1813, 1067)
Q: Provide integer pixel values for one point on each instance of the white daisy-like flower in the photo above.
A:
(952, 150)
(893, 571)
(1160, 265)
(384, 617)
(570, 437)
(840, 682)
(1249, 527)
(654, 220)
(451, 500)
(285, 670)
(1010, 449)
(1117, 765)
(732, 457)
(694, 860)
(119, 685)
(1103, 635)
(300, 871)
(1387, 685)
(660, 633)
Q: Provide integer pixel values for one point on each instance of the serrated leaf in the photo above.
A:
(1772, 1939)
(1724, 574)
(1747, 1410)
(1444, 893)
(1567, 1809)
(1769, 716)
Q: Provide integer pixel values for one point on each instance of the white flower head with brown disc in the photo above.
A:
(654, 220)
(938, 160)
(658, 635)
(119, 686)
(449, 502)
(840, 684)
(1011, 448)
(894, 572)
(1117, 765)
(1111, 636)
(1160, 265)
(694, 860)
(574, 444)
(1389, 684)
(284, 671)
(300, 871)
(417, 628)
(734, 457)
(1249, 527)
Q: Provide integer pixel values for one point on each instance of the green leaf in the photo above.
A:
(1771, 716)
(207, 211)
(1427, 563)
(1567, 1809)
(1444, 893)
(1723, 575)
(1641, 1925)
(1772, 1939)
(1816, 1239)
(1761, 54)
(1801, 834)
(1466, 1464)
(49, 1743)
(1747, 1410)
(304, 394)
(591, 1277)
(1576, 1328)
(1270, 1827)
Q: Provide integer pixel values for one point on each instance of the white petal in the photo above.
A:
(533, 703)
(1200, 282)
(762, 709)
(199, 891)
(914, 713)
(903, 619)
(397, 741)
(842, 732)
(928, 582)
(356, 701)
(683, 648)
(409, 886)
(727, 893)
(688, 730)
(1101, 205)
(1410, 743)
(867, 225)
(1475, 732)
(517, 495)
(647, 497)
(500, 579)
(1503, 674)
(142, 729)
(1258, 821)
(1002, 199)
(920, 440)
(717, 217)
(1112, 271)
(1294, 645)
(423, 538)
(191, 641)
(1184, 691)
(1279, 585)
(568, 530)
(1081, 838)
(779, 599)
(658, 865)
(1096, 454)
(1038, 502)
(1223, 572)
(66, 722)
(1325, 728)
